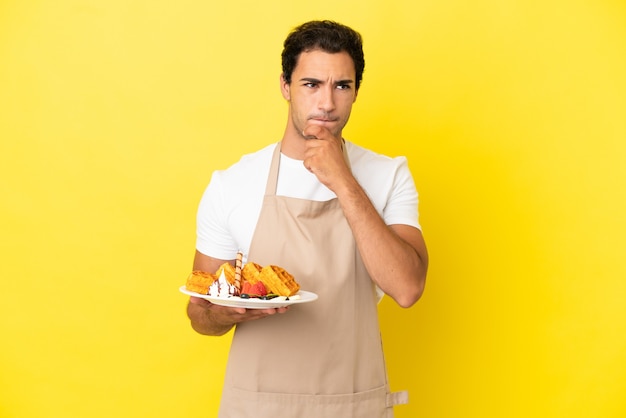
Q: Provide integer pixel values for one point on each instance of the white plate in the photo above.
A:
(253, 303)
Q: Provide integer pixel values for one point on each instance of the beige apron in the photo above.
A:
(323, 358)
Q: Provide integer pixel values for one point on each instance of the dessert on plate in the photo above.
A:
(245, 281)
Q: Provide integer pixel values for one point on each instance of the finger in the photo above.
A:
(313, 132)
(270, 311)
(282, 310)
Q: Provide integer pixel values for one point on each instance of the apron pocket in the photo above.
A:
(238, 403)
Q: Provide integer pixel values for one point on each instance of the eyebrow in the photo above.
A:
(337, 83)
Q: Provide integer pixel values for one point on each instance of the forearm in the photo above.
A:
(396, 265)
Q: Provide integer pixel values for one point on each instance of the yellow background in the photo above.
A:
(113, 114)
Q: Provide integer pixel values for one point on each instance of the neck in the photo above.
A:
(293, 147)
(293, 143)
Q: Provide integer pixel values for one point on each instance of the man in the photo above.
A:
(342, 219)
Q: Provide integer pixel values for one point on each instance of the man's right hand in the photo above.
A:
(210, 319)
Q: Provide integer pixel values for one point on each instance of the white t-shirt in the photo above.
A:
(231, 204)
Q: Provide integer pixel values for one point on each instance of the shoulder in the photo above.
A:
(230, 205)
(388, 182)
(368, 164)
(244, 180)
(255, 163)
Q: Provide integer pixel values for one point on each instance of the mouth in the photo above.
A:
(322, 121)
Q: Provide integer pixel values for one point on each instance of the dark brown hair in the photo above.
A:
(328, 36)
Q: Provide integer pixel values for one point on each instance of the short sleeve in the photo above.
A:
(213, 237)
(402, 204)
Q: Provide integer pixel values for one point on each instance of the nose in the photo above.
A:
(327, 99)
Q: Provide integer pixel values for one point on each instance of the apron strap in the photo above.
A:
(397, 398)
(272, 178)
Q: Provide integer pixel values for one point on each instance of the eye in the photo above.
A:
(310, 84)
(343, 86)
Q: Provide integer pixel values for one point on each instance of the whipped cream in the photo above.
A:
(221, 288)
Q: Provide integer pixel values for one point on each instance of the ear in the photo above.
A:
(356, 93)
(285, 87)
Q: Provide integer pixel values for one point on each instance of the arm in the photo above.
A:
(395, 256)
(209, 319)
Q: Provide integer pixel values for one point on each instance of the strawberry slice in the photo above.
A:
(258, 289)
(245, 288)
(253, 290)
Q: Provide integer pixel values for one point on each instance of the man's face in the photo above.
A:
(321, 92)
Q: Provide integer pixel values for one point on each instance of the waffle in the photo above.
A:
(229, 272)
(278, 281)
(250, 272)
(199, 281)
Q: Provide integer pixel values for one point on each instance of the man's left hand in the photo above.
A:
(324, 157)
